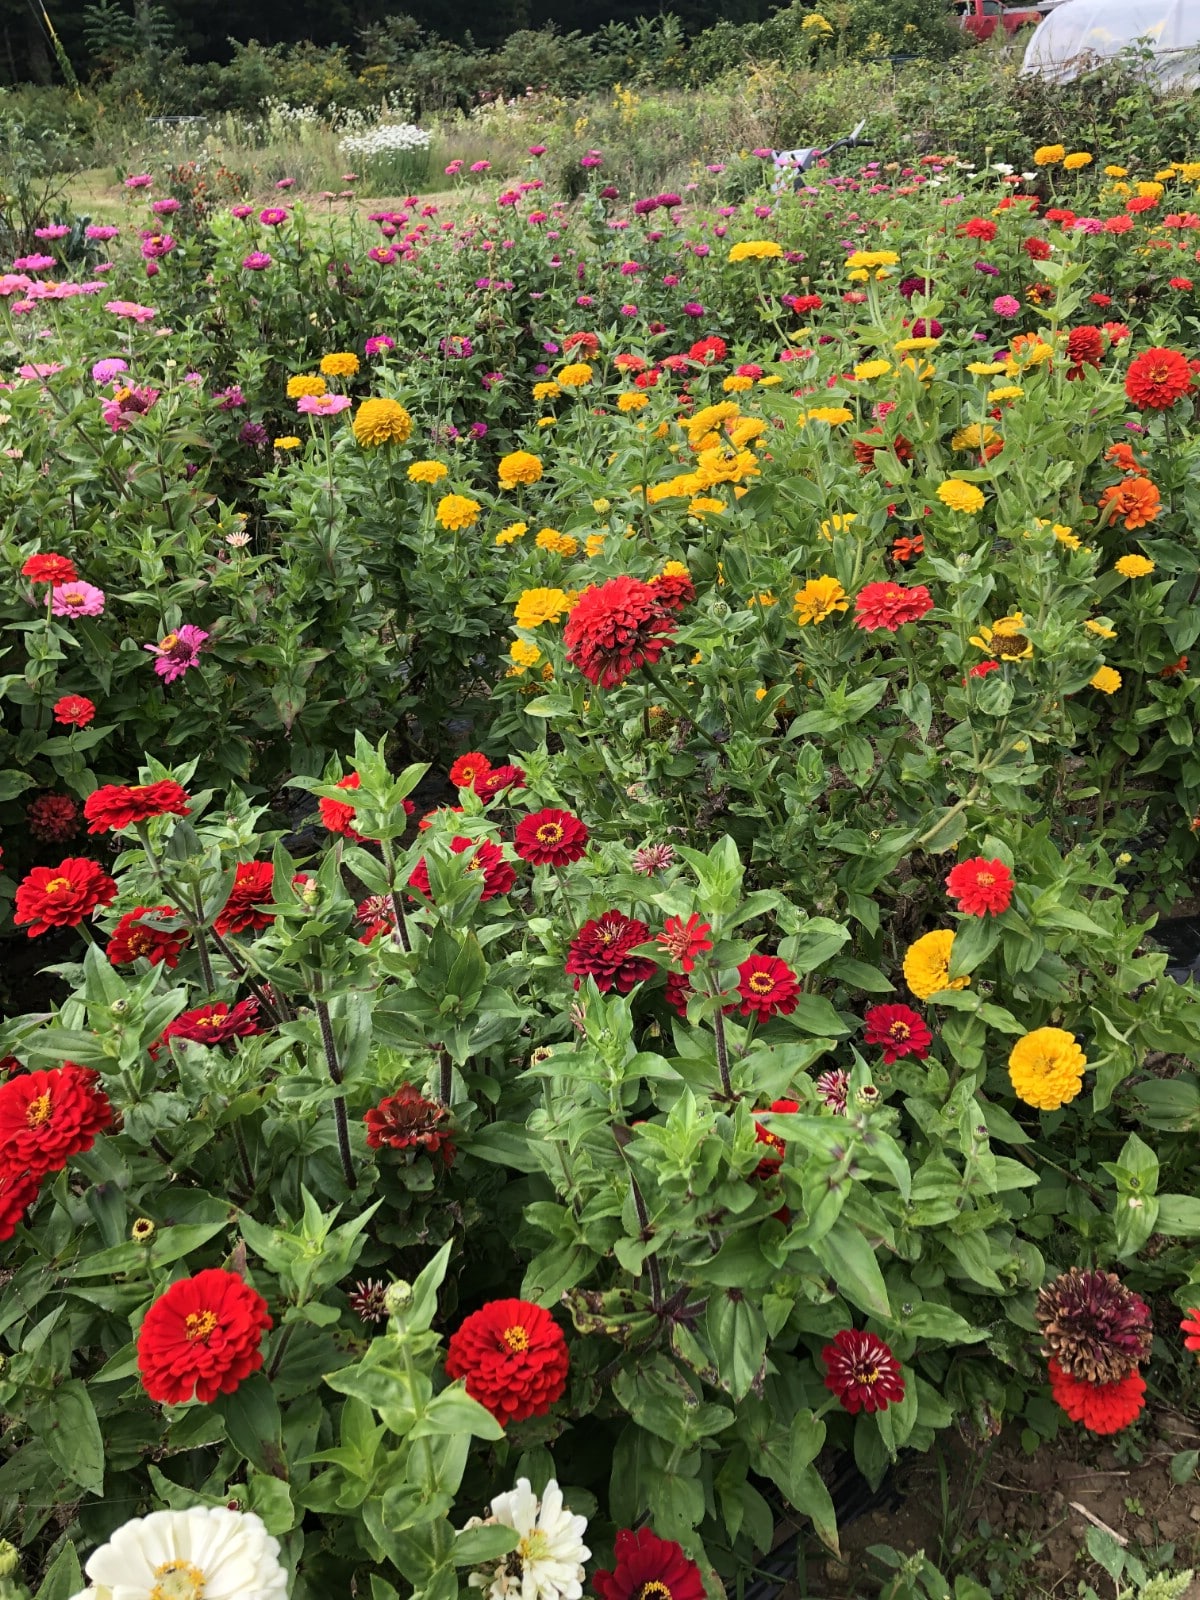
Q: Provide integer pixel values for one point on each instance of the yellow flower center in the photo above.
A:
(199, 1324)
(656, 1589)
(534, 1546)
(985, 880)
(57, 885)
(177, 1580)
(73, 597)
(550, 833)
(516, 1339)
(168, 642)
(900, 1030)
(38, 1111)
(760, 983)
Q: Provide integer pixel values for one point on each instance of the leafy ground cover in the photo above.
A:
(595, 779)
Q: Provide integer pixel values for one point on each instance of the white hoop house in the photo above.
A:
(1071, 38)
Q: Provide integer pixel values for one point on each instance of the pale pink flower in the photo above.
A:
(76, 599)
(323, 405)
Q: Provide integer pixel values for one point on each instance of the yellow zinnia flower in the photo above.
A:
(755, 250)
(514, 531)
(1100, 629)
(632, 400)
(561, 544)
(1049, 155)
(839, 522)
(705, 505)
(1106, 679)
(924, 342)
(1077, 161)
(986, 369)
(1046, 1068)
(1134, 566)
(866, 370)
(341, 364)
(379, 422)
(737, 383)
(575, 375)
(594, 544)
(456, 511)
(974, 436)
(927, 964)
(536, 606)
(427, 471)
(819, 598)
(1112, 171)
(305, 383)
(1006, 391)
(961, 496)
(1005, 639)
(518, 467)
(288, 442)
(546, 391)
(523, 654)
(834, 416)
(871, 259)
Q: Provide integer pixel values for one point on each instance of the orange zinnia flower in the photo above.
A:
(1135, 499)
(1121, 455)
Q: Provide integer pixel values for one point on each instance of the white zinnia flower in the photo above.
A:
(207, 1553)
(548, 1562)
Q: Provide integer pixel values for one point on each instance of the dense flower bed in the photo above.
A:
(706, 1017)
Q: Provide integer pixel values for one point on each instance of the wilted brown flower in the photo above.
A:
(1093, 1326)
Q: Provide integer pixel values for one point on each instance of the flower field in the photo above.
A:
(585, 790)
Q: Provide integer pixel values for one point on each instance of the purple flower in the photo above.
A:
(105, 371)
(629, 311)
(481, 166)
(1006, 305)
(76, 599)
(256, 261)
(231, 399)
(693, 308)
(609, 193)
(479, 430)
(987, 269)
(253, 434)
(537, 149)
(285, 183)
(459, 345)
(382, 253)
(272, 216)
(177, 651)
(592, 159)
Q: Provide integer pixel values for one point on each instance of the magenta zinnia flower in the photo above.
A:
(178, 651)
(76, 600)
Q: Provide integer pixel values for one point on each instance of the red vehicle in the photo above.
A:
(983, 17)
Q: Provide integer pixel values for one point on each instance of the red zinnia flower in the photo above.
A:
(251, 890)
(706, 351)
(513, 1357)
(1181, 283)
(890, 605)
(75, 710)
(862, 1371)
(201, 1337)
(601, 949)
(1085, 347)
(1118, 224)
(767, 986)
(18, 1191)
(899, 1030)
(674, 590)
(52, 817)
(802, 304)
(649, 1568)
(498, 874)
(1158, 378)
(407, 1121)
(550, 838)
(1141, 202)
(1103, 301)
(213, 1024)
(47, 1117)
(115, 806)
(50, 569)
(684, 941)
(337, 816)
(468, 769)
(1176, 669)
(132, 938)
(489, 784)
(982, 668)
(62, 896)
(1117, 332)
(772, 1162)
(1036, 249)
(614, 628)
(1191, 1327)
(978, 228)
(678, 992)
(980, 886)
(1101, 1407)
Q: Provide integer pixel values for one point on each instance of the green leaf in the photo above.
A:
(420, 1311)
(64, 1577)
(738, 1336)
(1179, 1216)
(254, 1425)
(974, 940)
(851, 1263)
(475, 1547)
(65, 1422)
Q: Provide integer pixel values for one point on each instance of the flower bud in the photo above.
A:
(10, 1559)
(397, 1297)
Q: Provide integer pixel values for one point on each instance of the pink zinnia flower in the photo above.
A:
(76, 599)
(323, 405)
(256, 261)
(57, 230)
(33, 263)
(131, 309)
(178, 651)
(143, 180)
(164, 208)
(1006, 305)
(378, 342)
(273, 216)
(105, 371)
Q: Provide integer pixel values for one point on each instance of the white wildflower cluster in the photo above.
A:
(384, 139)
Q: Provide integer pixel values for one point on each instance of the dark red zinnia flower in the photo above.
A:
(489, 784)
(337, 816)
(46, 1117)
(616, 628)
(550, 838)
(980, 886)
(684, 941)
(134, 936)
(74, 710)
(468, 769)
(899, 1030)
(1036, 249)
(648, 1568)
(252, 889)
(1158, 378)
(488, 858)
(62, 896)
(1093, 1327)
(833, 1089)
(407, 1121)
(862, 1371)
(18, 1191)
(1101, 1407)
(52, 817)
(213, 1024)
(513, 1357)
(115, 806)
(674, 590)
(890, 605)
(767, 986)
(50, 569)
(601, 950)
(201, 1337)
(1085, 348)
(678, 992)
(771, 1162)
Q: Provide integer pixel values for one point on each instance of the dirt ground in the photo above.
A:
(1018, 1524)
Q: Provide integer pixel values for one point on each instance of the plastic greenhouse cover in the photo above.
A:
(1071, 33)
